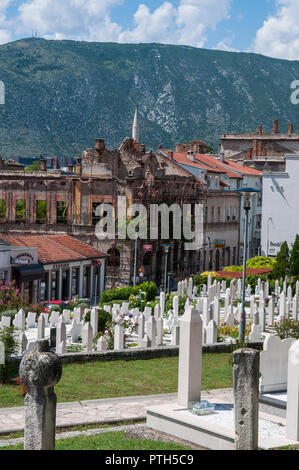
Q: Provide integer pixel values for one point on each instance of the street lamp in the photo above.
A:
(246, 193)
(269, 220)
(166, 249)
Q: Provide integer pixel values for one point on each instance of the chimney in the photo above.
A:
(70, 168)
(79, 165)
(43, 164)
(142, 149)
(179, 147)
(260, 130)
(291, 128)
(170, 154)
(275, 127)
(222, 157)
(190, 155)
(55, 163)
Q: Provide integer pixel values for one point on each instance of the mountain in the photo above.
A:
(61, 95)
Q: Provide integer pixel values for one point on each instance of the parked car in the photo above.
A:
(48, 305)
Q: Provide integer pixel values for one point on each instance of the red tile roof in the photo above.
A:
(222, 167)
(246, 170)
(181, 157)
(55, 248)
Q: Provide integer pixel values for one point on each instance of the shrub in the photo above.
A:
(10, 297)
(281, 266)
(261, 262)
(11, 347)
(234, 269)
(151, 291)
(103, 319)
(8, 313)
(294, 258)
(56, 308)
(252, 279)
(287, 328)
(169, 303)
(124, 293)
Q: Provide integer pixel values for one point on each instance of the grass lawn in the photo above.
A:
(107, 441)
(126, 378)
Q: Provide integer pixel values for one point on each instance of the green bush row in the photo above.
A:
(124, 293)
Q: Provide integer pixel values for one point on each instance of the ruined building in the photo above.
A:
(57, 201)
(261, 150)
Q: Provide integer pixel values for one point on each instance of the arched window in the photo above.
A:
(114, 257)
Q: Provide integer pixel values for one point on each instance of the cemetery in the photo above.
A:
(256, 404)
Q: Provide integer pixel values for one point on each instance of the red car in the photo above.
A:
(47, 305)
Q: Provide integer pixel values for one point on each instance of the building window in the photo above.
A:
(218, 214)
(234, 255)
(2, 209)
(61, 212)
(41, 212)
(86, 282)
(258, 222)
(224, 214)
(212, 214)
(75, 281)
(20, 210)
(211, 260)
(114, 258)
(95, 218)
(54, 285)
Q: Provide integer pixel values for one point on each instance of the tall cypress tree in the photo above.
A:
(294, 260)
(282, 262)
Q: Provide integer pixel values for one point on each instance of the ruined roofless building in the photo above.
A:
(56, 202)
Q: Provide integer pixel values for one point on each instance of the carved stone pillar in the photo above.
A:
(40, 371)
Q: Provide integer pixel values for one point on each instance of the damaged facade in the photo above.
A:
(261, 150)
(57, 201)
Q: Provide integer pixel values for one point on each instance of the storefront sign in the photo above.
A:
(22, 258)
(219, 244)
(62, 265)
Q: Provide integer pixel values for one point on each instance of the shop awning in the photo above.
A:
(30, 272)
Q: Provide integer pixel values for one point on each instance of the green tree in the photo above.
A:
(294, 259)
(34, 166)
(281, 267)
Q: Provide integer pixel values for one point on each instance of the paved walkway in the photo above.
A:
(101, 411)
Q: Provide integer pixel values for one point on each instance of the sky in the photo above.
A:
(268, 27)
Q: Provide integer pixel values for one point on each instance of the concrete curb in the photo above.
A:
(138, 354)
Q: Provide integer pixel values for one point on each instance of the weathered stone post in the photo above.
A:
(246, 398)
(190, 357)
(40, 371)
(292, 427)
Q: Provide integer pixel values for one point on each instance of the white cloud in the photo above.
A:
(90, 20)
(187, 24)
(279, 35)
(158, 26)
(195, 17)
(225, 45)
(67, 19)
(5, 36)
(5, 32)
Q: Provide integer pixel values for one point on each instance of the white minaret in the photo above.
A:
(135, 129)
